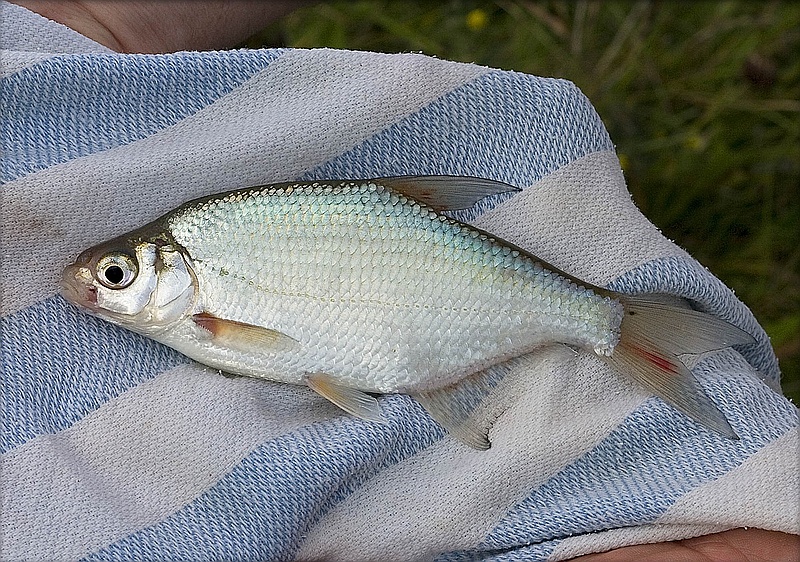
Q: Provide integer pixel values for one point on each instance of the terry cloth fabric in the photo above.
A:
(117, 448)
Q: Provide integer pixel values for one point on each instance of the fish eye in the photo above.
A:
(116, 271)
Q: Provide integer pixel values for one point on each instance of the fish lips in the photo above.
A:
(77, 287)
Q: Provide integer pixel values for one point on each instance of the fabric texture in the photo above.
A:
(117, 448)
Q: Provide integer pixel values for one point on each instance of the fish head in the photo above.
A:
(143, 285)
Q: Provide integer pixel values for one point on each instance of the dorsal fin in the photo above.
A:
(446, 193)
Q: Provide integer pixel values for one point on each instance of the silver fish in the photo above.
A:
(357, 287)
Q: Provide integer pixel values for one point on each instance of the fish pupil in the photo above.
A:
(114, 274)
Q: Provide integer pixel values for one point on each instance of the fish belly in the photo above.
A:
(378, 291)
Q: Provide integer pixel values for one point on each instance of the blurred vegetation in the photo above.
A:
(701, 98)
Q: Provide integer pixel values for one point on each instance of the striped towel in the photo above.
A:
(117, 448)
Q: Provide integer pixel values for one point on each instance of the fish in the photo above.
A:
(358, 288)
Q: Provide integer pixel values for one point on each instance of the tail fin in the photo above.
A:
(653, 334)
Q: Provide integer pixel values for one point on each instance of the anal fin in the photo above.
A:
(351, 400)
(461, 408)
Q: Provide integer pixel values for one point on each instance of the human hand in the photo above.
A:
(736, 545)
(141, 26)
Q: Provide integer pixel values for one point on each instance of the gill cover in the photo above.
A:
(174, 293)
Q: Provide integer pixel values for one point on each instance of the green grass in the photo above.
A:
(702, 100)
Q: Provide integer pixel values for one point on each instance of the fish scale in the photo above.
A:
(322, 266)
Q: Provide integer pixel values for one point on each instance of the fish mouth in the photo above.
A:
(76, 288)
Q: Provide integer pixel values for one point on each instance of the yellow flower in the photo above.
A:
(695, 142)
(477, 19)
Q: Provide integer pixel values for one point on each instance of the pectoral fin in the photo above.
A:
(461, 408)
(351, 400)
(242, 336)
(447, 193)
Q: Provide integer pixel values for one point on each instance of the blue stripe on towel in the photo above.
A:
(504, 125)
(132, 97)
(264, 506)
(49, 382)
(640, 470)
